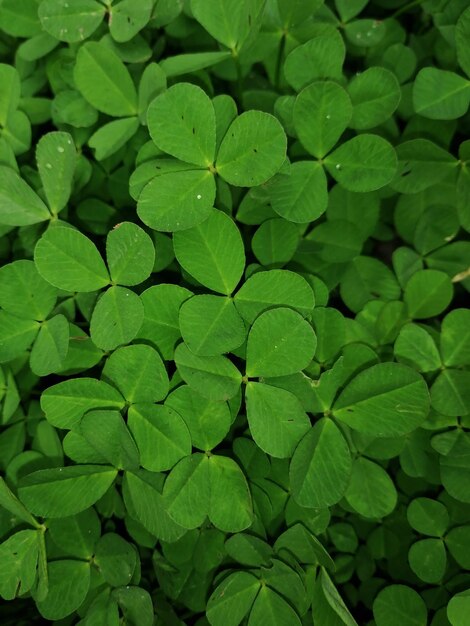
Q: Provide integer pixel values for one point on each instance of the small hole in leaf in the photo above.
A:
(255, 150)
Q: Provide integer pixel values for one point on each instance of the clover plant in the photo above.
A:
(234, 323)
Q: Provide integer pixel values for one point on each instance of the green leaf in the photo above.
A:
(276, 418)
(457, 542)
(71, 21)
(111, 137)
(458, 607)
(56, 157)
(24, 293)
(130, 254)
(19, 204)
(188, 63)
(107, 432)
(253, 149)
(10, 96)
(228, 21)
(136, 605)
(214, 377)
(232, 599)
(428, 517)
(177, 200)
(131, 368)
(428, 560)
(210, 325)
(371, 491)
(67, 259)
(128, 17)
(364, 163)
(319, 58)
(212, 252)
(144, 503)
(208, 421)
(10, 502)
(440, 94)
(375, 95)
(462, 32)
(161, 324)
(280, 342)
(398, 602)
(421, 164)
(450, 393)
(196, 488)
(385, 400)
(65, 491)
(161, 436)
(365, 279)
(69, 582)
(415, 347)
(78, 534)
(349, 8)
(265, 290)
(455, 338)
(16, 335)
(321, 466)
(117, 318)
(275, 242)
(300, 195)
(104, 81)
(428, 293)
(322, 112)
(51, 346)
(181, 122)
(116, 559)
(19, 554)
(271, 606)
(65, 403)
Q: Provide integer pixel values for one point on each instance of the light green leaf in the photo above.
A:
(107, 432)
(322, 112)
(271, 607)
(398, 603)
(16, 335)
(276, 418)
(214, 377)
(65, 403)
(56, 157)
(19, 556)
(455, 338)
(211, 325)
(69, 260)
(51, 346)
(24, 293)
(226, 20)
(65, 491)
(300, 195)
(111, 137)
(232, 599)
(321, 466)
(10, 502)
(319, 58)
(10, 94)
(428, 517)
(275, 242)
(208, 421)
(69, 582)
(128, 17)
(130, 254)
(375, 94)
(450, 392)
(177, 200)
(415, 346)
(371, 491)
(138, 372)
(117, 318)
(280, 342)
(19, 204)
(265, 290)
(253, 149)
(428, 293)
(462, 34)
(212, 252)
(440, 94)
(188, 63)
(78, 534)
(71, 21)
(385, 400)
(104, 81)
(181, 122)
(458, 607)
(364, 163)
(161, 310)
(161, 436)
(116, 559)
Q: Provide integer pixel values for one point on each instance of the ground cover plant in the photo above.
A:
(234, 342)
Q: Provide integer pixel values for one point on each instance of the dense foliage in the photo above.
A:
(234, 348)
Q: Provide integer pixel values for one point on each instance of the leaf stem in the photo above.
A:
(406, 8)
(280, 55)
